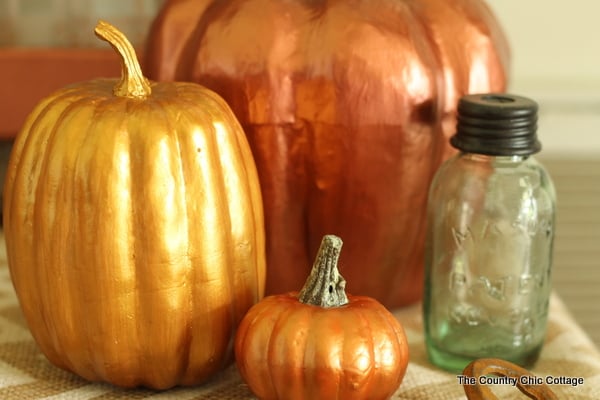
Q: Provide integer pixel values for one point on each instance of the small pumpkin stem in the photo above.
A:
(325, 286)
(132, 83)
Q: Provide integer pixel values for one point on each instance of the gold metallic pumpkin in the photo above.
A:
(134, 228)
(348, 106)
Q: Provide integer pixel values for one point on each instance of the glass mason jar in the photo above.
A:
(490, 231)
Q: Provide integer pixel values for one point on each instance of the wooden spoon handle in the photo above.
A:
(531, 387)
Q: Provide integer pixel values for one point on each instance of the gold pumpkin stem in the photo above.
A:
(325, 286)
(132, 83)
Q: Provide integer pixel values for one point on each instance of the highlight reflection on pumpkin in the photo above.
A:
(134, 228)
(348, 107)
(320, 343)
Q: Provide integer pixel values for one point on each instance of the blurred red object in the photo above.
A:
(29, 74)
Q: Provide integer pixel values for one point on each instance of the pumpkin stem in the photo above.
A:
(325, 286)
(132, 83)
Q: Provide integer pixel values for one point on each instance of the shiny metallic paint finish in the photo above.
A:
(134, 231)
(348, 106)
(287, 350)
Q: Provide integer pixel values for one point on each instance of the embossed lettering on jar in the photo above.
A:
(489, 253)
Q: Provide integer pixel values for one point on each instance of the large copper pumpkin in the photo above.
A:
(348, 106)
(134, 228)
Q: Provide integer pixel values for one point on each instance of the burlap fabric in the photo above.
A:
(26, 374)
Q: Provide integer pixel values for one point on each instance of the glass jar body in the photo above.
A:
(490, 231)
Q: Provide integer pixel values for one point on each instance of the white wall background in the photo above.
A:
(553, 41)
(556, 60)
(70, 23)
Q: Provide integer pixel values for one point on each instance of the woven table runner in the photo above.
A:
(26, 374)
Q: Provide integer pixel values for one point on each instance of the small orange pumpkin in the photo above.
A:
(321, 343)
(134, 228)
